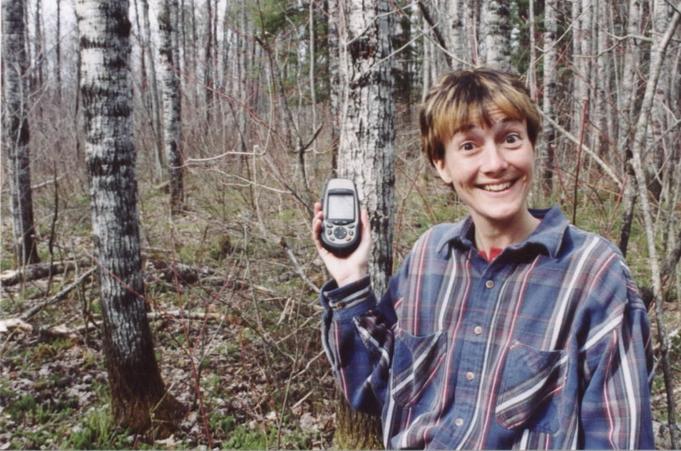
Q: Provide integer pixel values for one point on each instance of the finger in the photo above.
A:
(316, 234)
(366, 229)
(317, 207)
(316, 228)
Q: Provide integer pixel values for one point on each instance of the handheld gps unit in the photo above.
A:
(341, 227)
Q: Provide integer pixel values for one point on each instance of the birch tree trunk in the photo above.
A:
(581, 56)
(531, 78)
(548, 146)
(57, 69)
(312, 68)
(602, 117)
(39, 52)
(366, 152)
(656, 158)
(156, 105)
(472, 31)
(495, 45)
(16, 132)
(626, 101)
(169, 56)
(138, 396)
(454, 36)
(195, 55)
(334, 78)
(208, 63)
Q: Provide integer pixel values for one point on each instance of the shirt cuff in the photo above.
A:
(349, 300)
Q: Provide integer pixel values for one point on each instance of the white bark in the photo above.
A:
(601, 117)
(454, 35)
(208, 63)
(16, 131)
(495, 45)
(312, 67)
(627, 92)
(334, 77)
(107, 96)
(472, 30)
(531, 78)
(626, 100)
(106, 89)
(548, 144)
(662, 105)
(581, 59)
(366, 152)
(156, 104)
(172, 106)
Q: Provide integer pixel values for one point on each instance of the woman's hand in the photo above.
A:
(349, 268)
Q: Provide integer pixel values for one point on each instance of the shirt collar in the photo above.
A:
(547, 237)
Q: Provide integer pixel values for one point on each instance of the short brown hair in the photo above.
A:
(462, 98)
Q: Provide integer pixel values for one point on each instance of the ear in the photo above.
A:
(443, 171)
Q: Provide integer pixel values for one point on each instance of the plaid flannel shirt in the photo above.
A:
(547, 346)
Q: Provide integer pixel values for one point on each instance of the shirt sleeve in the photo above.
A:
(358, 337)
(615, 408)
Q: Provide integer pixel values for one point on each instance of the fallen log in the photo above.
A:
(178, 272)
(41, 270)
(57, 297)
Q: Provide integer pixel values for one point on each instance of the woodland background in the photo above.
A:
(241, 111)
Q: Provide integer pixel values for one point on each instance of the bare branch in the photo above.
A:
(607, 169)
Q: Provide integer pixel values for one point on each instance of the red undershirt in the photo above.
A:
(493, 253)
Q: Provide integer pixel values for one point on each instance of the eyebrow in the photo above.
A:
(470, 126)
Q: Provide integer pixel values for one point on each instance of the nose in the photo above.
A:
(493, 159)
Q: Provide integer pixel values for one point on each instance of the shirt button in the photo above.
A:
(489, 284)
(458, 422)
(477, 330)
(470, 376)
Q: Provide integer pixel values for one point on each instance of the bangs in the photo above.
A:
(462, 114)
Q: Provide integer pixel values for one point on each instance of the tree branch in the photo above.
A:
(591, 153)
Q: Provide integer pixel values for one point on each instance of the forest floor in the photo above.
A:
(236, 328)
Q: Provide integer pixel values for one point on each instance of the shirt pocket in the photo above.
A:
(417, 364)
(532, 382)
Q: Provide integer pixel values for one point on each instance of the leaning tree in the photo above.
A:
(138, 395)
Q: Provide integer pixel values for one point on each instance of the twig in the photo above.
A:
(57, 297)
(297, 267)
(609, 172)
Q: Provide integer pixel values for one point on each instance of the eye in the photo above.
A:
(512, 138)
(466, 146)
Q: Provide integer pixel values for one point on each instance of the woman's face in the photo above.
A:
(491, 169)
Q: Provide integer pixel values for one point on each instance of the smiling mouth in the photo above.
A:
(497, 187)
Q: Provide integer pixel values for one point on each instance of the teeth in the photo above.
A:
(497, 187)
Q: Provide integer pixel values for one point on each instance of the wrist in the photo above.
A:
(351, 278)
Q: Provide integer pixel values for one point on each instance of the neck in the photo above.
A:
(499, 235)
